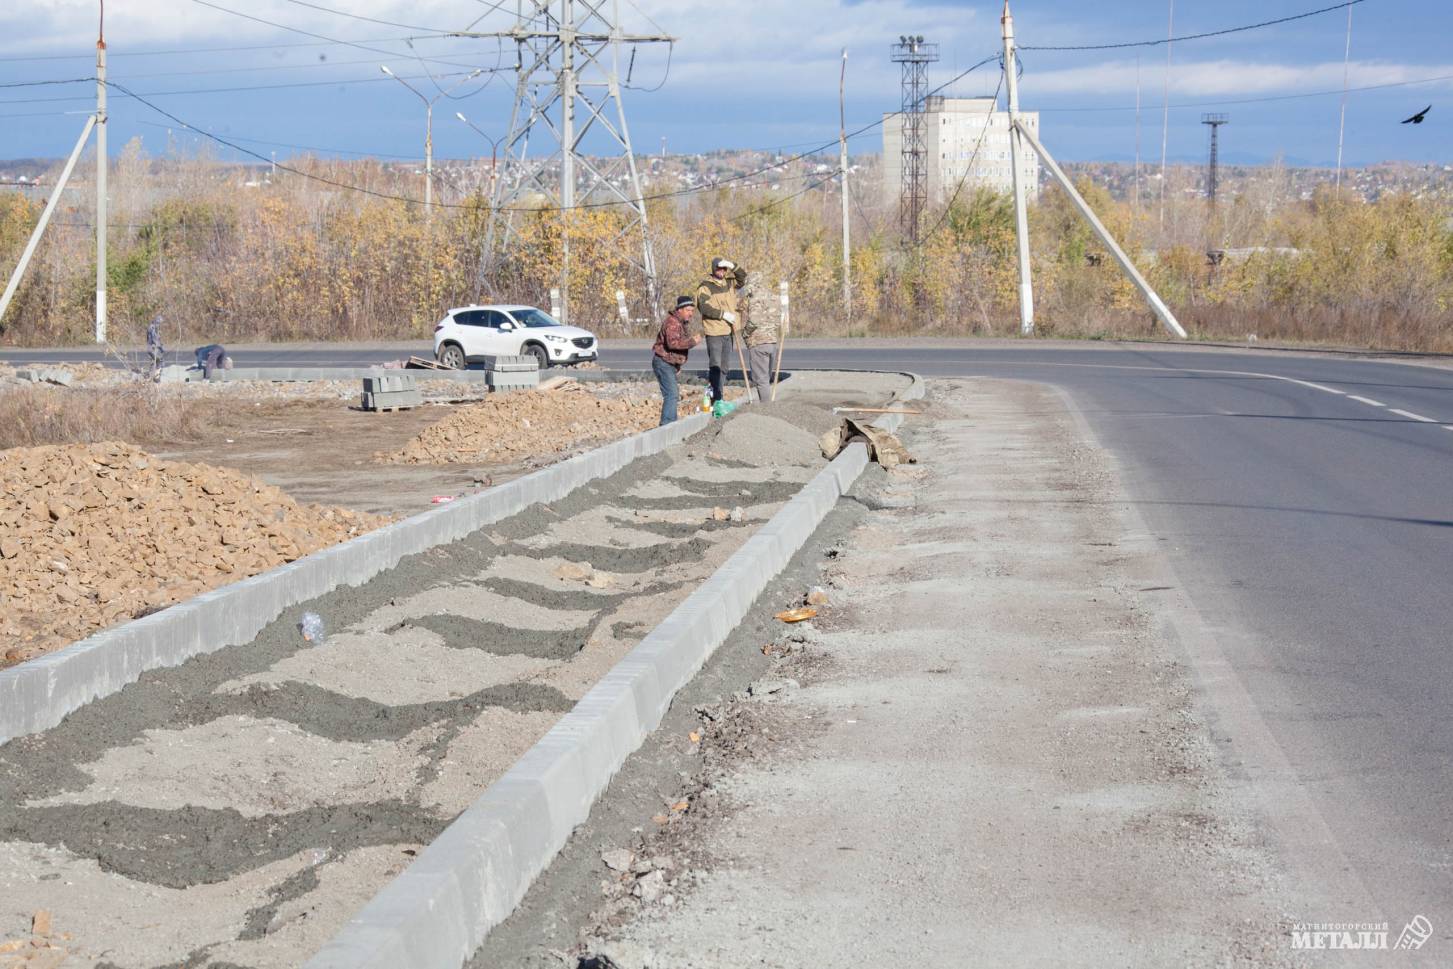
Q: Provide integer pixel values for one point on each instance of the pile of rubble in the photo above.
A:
(93, 535)
(514, 427)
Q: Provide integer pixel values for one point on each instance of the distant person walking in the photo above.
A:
(154, 349)
(716, 301)
(673, 343)
(212, 358)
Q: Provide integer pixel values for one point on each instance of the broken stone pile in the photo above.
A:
(513, 427)
(93, 535)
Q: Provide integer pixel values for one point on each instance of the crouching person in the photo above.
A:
(673, 343)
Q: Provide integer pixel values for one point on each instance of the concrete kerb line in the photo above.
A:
(38, 694)
(438, 911)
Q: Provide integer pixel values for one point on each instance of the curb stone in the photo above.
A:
(38, 694)
(437, 912)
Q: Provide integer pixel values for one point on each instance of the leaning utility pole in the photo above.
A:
(567, 79)
(101, 165)
(1016, 162)
(915, 56)
(842, 114)
(1021, 131)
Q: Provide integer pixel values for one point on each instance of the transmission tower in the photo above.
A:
(915, 56)
(1213, 163)
(567, 86)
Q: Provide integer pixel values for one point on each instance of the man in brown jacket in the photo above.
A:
(760, 332)
(673, 343)
(716, 301)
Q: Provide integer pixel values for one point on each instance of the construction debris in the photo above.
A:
(94, 535)
(882, 446)
(512, 427)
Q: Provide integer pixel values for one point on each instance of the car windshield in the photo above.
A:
(534, 318)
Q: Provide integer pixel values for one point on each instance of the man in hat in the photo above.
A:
(673, 343)
(716, 301)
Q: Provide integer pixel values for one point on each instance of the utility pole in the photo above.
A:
(493, 150)
(1137, 133)
(1342, 119)
(1016, 160)
(1020, 131)
(101, 165)
(1165, 109)
(567, 72)
(842, 114)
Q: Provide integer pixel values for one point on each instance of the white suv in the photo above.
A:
(468, 334)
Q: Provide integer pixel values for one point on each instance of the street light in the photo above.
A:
(493, 150)
(429, 128)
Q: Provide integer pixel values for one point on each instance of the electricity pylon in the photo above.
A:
(568, 85)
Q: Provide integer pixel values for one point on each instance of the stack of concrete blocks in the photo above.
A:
(391, 392)
(504, 374)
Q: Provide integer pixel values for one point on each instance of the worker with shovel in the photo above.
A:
(760, 332)
(716, 301)
(673, 343)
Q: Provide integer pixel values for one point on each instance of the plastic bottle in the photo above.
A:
(311, 626)
(706, 401)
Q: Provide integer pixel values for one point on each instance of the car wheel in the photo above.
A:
(451, 356)
(541, 357)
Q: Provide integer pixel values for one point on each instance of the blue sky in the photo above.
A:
(752, 74)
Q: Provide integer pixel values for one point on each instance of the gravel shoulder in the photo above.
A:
(986, 751)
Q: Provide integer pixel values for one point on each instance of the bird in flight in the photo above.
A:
(1418, 118)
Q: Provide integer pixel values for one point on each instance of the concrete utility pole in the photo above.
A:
(1016, 153)
(842, 114)
(50, 204)
(493, 151)
(1165, 108)
(1019, 130)
(101, 166)
(1342, 118)
(567, 79)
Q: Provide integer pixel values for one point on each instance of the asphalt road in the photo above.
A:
(1305, 503)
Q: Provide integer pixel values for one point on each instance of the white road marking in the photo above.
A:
(1365, 400)
(1308, 383)
(1411, 416)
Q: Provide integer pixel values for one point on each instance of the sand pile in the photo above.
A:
(92, 535)
(512, 427)
(760, 439)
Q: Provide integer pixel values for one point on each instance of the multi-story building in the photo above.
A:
(952, 128)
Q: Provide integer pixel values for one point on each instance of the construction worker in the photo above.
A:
(211, 358)
(673, 343)
(154, 349)
(716, 301)
(760, 332)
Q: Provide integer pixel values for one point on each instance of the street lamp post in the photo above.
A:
(493, 152)
(429, 129)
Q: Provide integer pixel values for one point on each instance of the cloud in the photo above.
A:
(1223, 78)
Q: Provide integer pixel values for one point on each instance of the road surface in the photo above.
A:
(1306, 505)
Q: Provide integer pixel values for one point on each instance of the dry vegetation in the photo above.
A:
(40, 414)
(301, 260)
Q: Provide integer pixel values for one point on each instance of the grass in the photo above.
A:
(137, 413)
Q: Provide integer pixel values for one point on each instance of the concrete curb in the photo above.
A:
(38, 694)
(438, 911)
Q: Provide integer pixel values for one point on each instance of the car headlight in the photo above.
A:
(554, 338)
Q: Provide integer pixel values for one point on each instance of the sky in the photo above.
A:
(746, 74)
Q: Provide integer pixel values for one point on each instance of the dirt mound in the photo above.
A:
(92, 535)
(760, 439)
(510, 427)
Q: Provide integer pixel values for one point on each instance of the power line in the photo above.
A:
(1202, 36)
(73, 80)
(1263, 100)
(245, 88)
(972, 159)
(584, 205)
(309, 33)
(285, 144)
(177, 51)
(371, 20)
